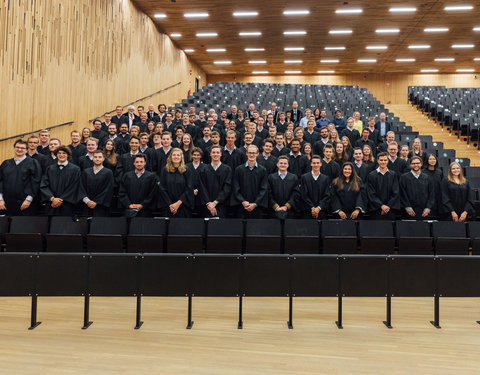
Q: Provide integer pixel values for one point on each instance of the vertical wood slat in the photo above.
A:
(70, 60)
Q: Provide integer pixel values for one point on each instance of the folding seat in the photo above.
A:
(414, 238)
(107, 234)
(474, 231)
(225, 236)
(450, 238)
(339, 236)
(376, 237)
(67, 234)
(472, 172)
(185, 235)
(4, 225)
(146, 235)
(302, 236)
(263, 236)
(27, 234)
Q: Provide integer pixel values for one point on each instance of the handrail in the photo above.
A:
(138, 100)
(21, 135)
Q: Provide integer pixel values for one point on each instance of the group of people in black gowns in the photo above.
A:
(188, 164)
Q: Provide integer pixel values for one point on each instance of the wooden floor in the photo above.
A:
(426, 126)
(216, 346)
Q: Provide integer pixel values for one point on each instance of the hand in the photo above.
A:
(463, 216)
(25, 205)
(315, 212)
(211, 206)
(250, 207)
(213, 211)
(2, 205)
(282, 208)
(92, 204)
(411, 213)
(245, 204)
(195, 192)
(56, 202)
(425, 213)
(342, 215)
(454, 216)
(355, 214)
(385, 209)
(173, 208)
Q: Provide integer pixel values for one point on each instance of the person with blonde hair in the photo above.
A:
(176, 191)
(417, 150)
(457, 194)
(357, 123)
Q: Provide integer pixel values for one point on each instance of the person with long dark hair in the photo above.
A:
(348, 194)
(434, 172)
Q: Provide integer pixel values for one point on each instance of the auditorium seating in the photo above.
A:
(237, 236)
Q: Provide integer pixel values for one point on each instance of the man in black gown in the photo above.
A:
(315, 191)
(215, 185)
(138, 188)
(250, 187)
(60, 185)
(417, 194)
(19, 182)
(283, 190)
(97, 185)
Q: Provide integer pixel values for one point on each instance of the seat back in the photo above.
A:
(263, 228)
(186, 227)
(147, 226)
(449, 229)
(108, 225)
(378, 228)
(68, 225)
(413, 229)
(29, 224)
(225, 227)
(338, 228)
(301, 228)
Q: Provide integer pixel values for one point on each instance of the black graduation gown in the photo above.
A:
(173, 187)
(61, 183)
(436, 176)
(331, 169)
(457, 197)
(283, 192)
(43, 150)
(269, 164)
(215, 185)
(399, 167)
(417, 193)
(138, 190)
(348, 200)
(234, 159)
(363, 171)
(161, 160)
(77, 152)
(100, 135)
(276, 152)
(311, 138)
(125, 164)
(318, 147)
(353, 135)
(19, 181)
(41, 159)
(360, 143)
(314, 194)
(298, 165)
(383, 190)
(250, 185)
(98, 187)
(195, 181)
(85, 162)
(375, 137)
(423, 156)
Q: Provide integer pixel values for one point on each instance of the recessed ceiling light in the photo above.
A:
(189, 50)
(429, 70)
(367, 60)
(476, 59)
(160, 15)
(293, 71)
(294, 48)
(329, 61)
(296, 12)
(376, 47)
(254, 49)
(260, 72)
(349, 11)
(435, 29)
(445, 59)
(206, 34)
(196, 15)
(387, 31)
(458, 7)
(405, 60)
(293, 61)
(216, 50)
(295, 32)
(337, 48)
(465, 70)
(419, 46)
(345, 31)
(476, 28)
(252, 13)
(222, 62)
(402, 9)
(462, 46)
(250, 33)
(257, 62)
(325, 71)
(175, 35)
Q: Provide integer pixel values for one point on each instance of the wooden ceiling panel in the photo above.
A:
(322, 18)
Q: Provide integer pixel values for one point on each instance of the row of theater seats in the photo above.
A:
(236, 236)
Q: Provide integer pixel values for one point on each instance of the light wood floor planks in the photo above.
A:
(264, 346)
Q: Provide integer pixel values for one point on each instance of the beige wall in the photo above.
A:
(72, 60)
(385, 87)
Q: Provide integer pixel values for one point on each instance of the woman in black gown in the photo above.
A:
(347, 194)
(434, 172)
(457, 195)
